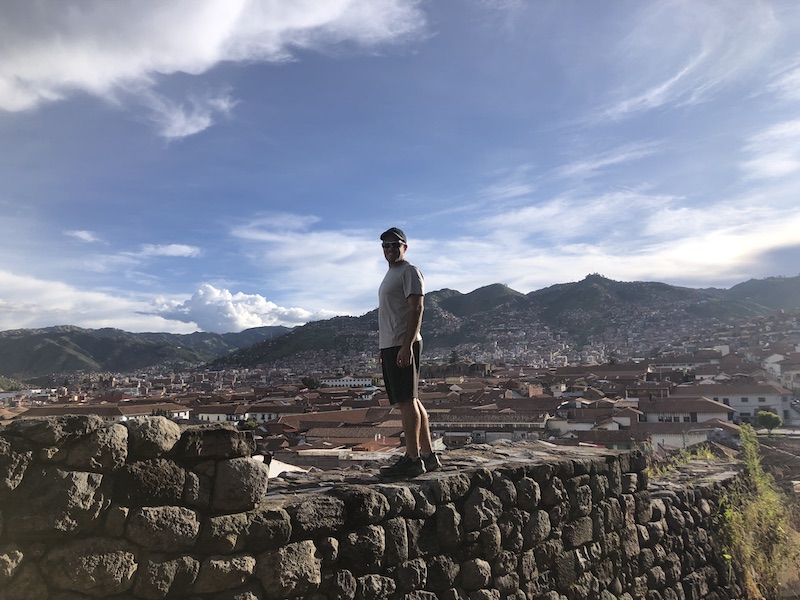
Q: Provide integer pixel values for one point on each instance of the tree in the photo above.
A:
(768, 420)
(310, 382)
(160, 412)
(454, 358)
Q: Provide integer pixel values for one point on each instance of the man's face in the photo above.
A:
(394, 250)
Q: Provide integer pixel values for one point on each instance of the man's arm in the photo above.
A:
(413, 325)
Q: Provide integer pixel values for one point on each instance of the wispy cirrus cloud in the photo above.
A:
(592, 165)
(682, 52)
(774, 152)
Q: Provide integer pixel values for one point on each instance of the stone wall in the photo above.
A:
(144, 510)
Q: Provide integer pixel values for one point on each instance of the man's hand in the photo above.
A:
(404, 357)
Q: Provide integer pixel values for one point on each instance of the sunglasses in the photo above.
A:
(387, 245)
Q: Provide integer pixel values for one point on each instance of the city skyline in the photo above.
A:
(220, 165)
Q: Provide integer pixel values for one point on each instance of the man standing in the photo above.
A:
(400, 308)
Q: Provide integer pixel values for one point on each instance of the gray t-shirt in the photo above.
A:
(398, 284)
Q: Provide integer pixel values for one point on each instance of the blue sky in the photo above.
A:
(222, 164)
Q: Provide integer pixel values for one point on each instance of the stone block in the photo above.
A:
(537, 529)
(424, 502)
(197, 490)
(217, 442)
(164, 528)
(401, 500)
(504, 488)
(553, 492)
(14, 460)
(476, 574)
(218, 573)
(340, 585)
(223, 534)
(52, 504)
(411, 575)
(240, 484)
(422, 537)
(151, 437)
(363, 505)
(153, 482)
(28, 584)
(529, 494)
(375, 587)
(328, 550)
(450, 487)
(104, 450)
(293, 570)
(363, 550)
(162, 576)
(396, 536)
(442, 573)
(10, 559)
(481, 508)
(268, 527)
(448, 525)
(98, 567)
(316, 515)
(504, 563)
(578, 532)
(54, 431)
(599, 485)
(511, 524)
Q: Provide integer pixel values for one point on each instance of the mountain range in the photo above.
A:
(577, 312)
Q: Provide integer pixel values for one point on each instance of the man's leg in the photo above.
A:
(412, 425)
(424, 442)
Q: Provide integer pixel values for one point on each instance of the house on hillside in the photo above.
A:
(688, 409)
(216, 413)
(745, 399)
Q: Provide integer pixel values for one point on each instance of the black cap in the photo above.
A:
(398, 233)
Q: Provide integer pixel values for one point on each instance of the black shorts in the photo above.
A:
(401, 382)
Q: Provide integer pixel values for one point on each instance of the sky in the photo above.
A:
(216, 165)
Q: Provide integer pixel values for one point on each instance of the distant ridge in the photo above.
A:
(577, 311)
(29, 353)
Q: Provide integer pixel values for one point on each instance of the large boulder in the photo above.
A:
(240, 484)
(151, 437)
(52, 503)
(104, 449)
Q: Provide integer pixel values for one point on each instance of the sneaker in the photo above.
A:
(405, 466)
(432, 462)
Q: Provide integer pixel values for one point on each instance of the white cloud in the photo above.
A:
(27, 302)
(82, 235)
(786, 83)
(344, 266)
(775, 152)
(170, 250)
(590, 166)
(219, 310)
(179, 120)
(49, 50)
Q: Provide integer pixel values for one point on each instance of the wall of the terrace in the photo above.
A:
(144, 510)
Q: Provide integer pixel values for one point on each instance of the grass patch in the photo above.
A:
(761, 543)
